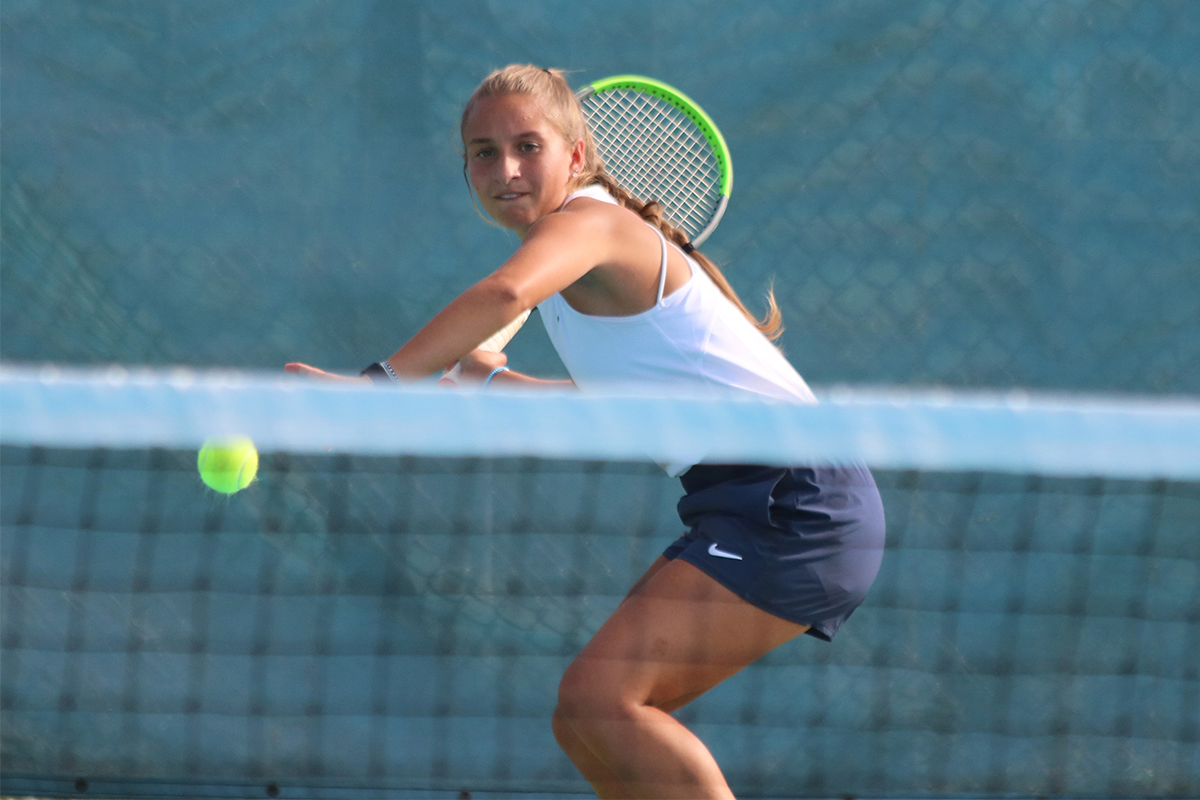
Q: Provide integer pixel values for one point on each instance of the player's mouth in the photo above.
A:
(510, 195)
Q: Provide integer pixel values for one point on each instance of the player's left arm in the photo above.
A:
(479, 365)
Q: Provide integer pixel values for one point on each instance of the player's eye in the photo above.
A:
(484, 152)
(528, 147)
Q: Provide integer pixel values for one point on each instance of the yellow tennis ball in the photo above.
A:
(227, 464)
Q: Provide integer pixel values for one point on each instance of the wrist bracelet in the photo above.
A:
(380, 372)
(493, 374)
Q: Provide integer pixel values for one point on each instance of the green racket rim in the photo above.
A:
(681, 101)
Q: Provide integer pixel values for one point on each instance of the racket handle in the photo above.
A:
(494, 344)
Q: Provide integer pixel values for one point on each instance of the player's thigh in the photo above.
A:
(675, 637)
(653, 570)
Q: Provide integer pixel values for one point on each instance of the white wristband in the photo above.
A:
(493, 374)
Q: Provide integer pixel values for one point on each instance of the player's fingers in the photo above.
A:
(478, 363)
(312, 373)
(306, 371)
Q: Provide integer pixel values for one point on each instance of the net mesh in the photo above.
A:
(358, 621)
(658, 153)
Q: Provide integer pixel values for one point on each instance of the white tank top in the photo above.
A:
(693, 341)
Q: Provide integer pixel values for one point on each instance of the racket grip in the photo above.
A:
(496, 342)
(493, 344)
(453, 375)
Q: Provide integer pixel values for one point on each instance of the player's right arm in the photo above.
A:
(558, 250)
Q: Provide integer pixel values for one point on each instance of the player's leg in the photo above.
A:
(658, 564)
(603, 780)
(677, 635)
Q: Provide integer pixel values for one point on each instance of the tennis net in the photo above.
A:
(388, 607)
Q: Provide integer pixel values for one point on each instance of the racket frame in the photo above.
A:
(708, 129)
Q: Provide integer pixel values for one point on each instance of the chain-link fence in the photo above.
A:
(961, 193)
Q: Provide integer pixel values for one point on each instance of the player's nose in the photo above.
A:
(510, 168)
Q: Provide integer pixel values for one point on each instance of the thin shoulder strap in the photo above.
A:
(662, 270)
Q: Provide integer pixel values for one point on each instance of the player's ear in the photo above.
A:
(578, 157)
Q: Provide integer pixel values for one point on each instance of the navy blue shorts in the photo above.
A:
(802, 543)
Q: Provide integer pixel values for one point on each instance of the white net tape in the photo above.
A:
(896, 429)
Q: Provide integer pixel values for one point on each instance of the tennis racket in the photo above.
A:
(657, 143)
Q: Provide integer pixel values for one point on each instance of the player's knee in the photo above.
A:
(561, 728)
(587, 691)
(575, 694)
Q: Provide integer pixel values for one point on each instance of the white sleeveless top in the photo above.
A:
(693, 341)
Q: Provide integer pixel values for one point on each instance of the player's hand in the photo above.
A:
(473, 368)
(312, 373)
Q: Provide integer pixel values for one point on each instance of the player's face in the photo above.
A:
(518, 162)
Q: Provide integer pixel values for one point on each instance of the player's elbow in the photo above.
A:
(500, 292)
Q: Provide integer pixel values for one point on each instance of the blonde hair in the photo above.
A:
(561, 107)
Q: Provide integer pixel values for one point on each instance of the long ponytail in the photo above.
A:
(771, 325)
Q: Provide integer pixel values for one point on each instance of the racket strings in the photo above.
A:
(656, 152)
(674, 164)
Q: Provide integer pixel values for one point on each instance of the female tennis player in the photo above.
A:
(769, 553)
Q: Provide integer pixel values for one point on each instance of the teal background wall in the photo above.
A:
(974, 194)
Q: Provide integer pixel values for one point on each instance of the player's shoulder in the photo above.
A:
(585, 216)
(594, 213)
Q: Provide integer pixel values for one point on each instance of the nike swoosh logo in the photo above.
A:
(713, 550)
